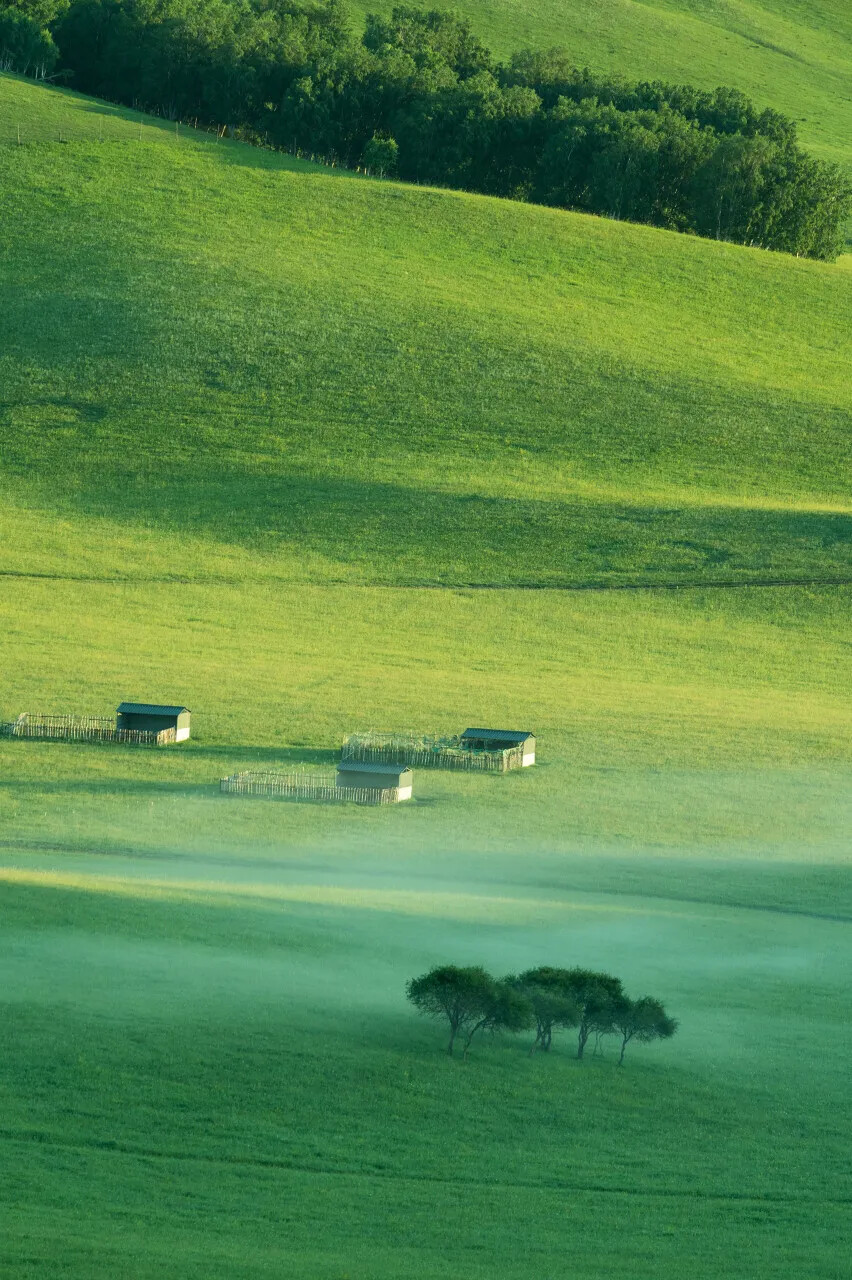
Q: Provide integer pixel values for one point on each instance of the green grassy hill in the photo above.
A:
(313, 453)
(225, 347)
(791, 56)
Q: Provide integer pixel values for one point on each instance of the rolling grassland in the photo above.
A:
(220, 351)
(313, 453)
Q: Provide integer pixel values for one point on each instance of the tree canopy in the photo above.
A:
(504, 1008)
(461, 995)
(643, 1020)
(553, 1003)
(471, 1001)
(26, 46)
(545, 998)
(595, 994)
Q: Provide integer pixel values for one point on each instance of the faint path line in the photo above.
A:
(695, 584)
(108, 1147)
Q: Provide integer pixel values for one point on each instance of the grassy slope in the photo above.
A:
(791, 56)
(264, 379)
(224, 349)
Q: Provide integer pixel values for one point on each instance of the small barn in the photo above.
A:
(519, 741)
(153, 718)
(376, 777)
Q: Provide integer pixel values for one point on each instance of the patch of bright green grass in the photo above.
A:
(40, 113)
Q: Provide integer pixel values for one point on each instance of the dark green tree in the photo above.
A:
(553, 1004)
(427, 36)
(461, 995)
(381, 155)
(504, 1008)
(643, 1020)
(595, 994)
(25, 47)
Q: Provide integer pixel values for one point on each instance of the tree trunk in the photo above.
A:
(453, 1031)
(581, 1039)
(468, 1041)
(623, 1050)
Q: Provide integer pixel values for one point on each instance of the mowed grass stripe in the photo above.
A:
(685, 585)
(47, 1140)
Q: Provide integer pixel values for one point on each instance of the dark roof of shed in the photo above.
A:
(499, 735)
(150, 709)
(368, 766)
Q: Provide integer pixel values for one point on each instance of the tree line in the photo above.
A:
(544, 1000)
(419, 96)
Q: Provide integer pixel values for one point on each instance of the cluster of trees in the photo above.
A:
(544, 1000)
(26, 45)
(418, 95)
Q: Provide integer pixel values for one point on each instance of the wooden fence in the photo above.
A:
(428, 753)
(304, 786)
(84, 729)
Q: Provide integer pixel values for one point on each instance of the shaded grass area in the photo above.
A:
(341, 530)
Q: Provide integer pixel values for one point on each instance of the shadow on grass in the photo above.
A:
(112, 786)
(224, 755)
(445, 538)
(221, 756)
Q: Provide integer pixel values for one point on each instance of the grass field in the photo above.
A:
(285, 445)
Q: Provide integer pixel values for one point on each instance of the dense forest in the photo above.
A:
(418, 96)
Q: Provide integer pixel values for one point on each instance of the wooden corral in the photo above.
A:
(426, 752)
(520, 742)
(305, 786)
(68, 728)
